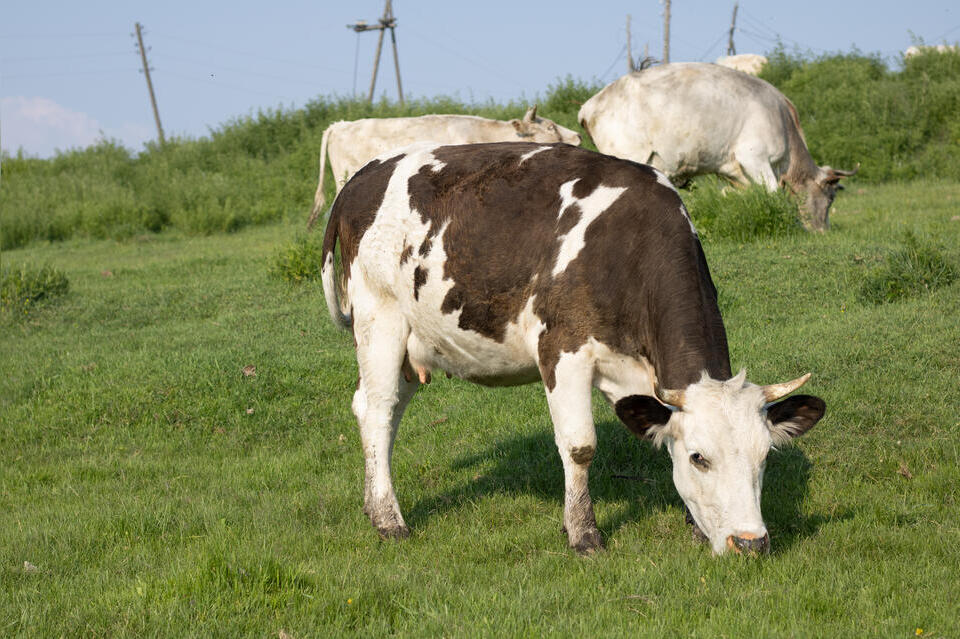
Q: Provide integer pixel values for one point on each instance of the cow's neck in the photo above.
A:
(802, 169)
(687, 333)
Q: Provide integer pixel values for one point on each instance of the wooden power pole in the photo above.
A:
(388, 21)
(731, 49)
(666, 31)
(146, 72)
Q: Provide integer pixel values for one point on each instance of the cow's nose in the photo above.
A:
(750, 543)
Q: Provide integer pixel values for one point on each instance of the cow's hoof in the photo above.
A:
(393, 532)
(589, 543)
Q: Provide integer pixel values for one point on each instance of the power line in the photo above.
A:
(252, 54)
(207, 65)
(59, 74)
(616, 60)
(67, 57)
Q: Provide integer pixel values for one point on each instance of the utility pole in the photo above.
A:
(630, 64)
(146, 72)
(666, 31)
(732, 50)
(388, 21)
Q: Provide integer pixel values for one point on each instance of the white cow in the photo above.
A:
(691, 118)
(751, 63)
(940, 48)
(353, 144)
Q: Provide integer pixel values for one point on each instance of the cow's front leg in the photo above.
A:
(576, 438)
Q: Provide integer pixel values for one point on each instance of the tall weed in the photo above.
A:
(917, 267)
(740, 214)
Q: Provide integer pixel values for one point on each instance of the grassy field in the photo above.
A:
(150, 487)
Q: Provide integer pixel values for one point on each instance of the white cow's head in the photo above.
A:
(534, 129)
(819, 196)
(718, 434)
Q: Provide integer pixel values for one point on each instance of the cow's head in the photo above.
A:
(718, 434)
(534, 129)
(819, 195)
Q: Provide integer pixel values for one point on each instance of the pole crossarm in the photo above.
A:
(387, 21)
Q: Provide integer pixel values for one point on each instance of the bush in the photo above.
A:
(918, 267)
(300, 261)
(23, 288)
(897, 124)
(741, 214)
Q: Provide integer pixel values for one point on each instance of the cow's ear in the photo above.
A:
(794, 416)
(644, 416)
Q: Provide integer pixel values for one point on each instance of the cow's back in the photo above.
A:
(354, 143)
(687, 118)
(503, 255)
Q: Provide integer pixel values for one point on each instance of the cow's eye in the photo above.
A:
(699, 461)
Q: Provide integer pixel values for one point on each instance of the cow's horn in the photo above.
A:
(531, 114)
(840, 173)
(669, 396)
(773, 392)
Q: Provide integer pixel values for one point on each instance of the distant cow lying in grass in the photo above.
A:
(692, 118)
(510, 263)
(353, 144)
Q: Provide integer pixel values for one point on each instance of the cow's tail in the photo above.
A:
(334, 283)
(318, 199)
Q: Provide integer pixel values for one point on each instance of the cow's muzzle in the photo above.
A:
(750, 544)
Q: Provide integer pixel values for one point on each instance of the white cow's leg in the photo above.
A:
(576, 439)
(378, 404)
(760, 172)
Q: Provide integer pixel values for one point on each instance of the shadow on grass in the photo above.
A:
(625, 471)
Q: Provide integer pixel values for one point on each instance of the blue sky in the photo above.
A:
(69, 72)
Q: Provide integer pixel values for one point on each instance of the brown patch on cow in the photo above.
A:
(582, 454)
(419, 279)
(405, 253)
(355, 209)
(425, 247)
(640, 285)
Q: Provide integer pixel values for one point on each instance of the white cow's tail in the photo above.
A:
(334, 289)
(318, 199)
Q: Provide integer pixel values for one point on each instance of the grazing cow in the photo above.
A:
(690, 118)
(353, 144)
(750, 63)
(509, 263)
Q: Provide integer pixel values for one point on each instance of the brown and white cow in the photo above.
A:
(690, 118)
(509, 263)
(352, 144)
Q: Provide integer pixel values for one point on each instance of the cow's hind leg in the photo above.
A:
(576, 438)
(378, 404)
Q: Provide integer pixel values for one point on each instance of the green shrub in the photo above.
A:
(741, 214)
(917, 267)
(23, 288)
(897, 124)
(300, 260)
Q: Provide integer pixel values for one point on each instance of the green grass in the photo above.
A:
(918, 267)
(23, 287)
(157, 490)
(721, 211)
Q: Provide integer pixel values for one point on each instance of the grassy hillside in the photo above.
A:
(178, 457)
(900, 125)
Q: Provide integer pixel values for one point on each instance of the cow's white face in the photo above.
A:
(718, 440)
(536, 129)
